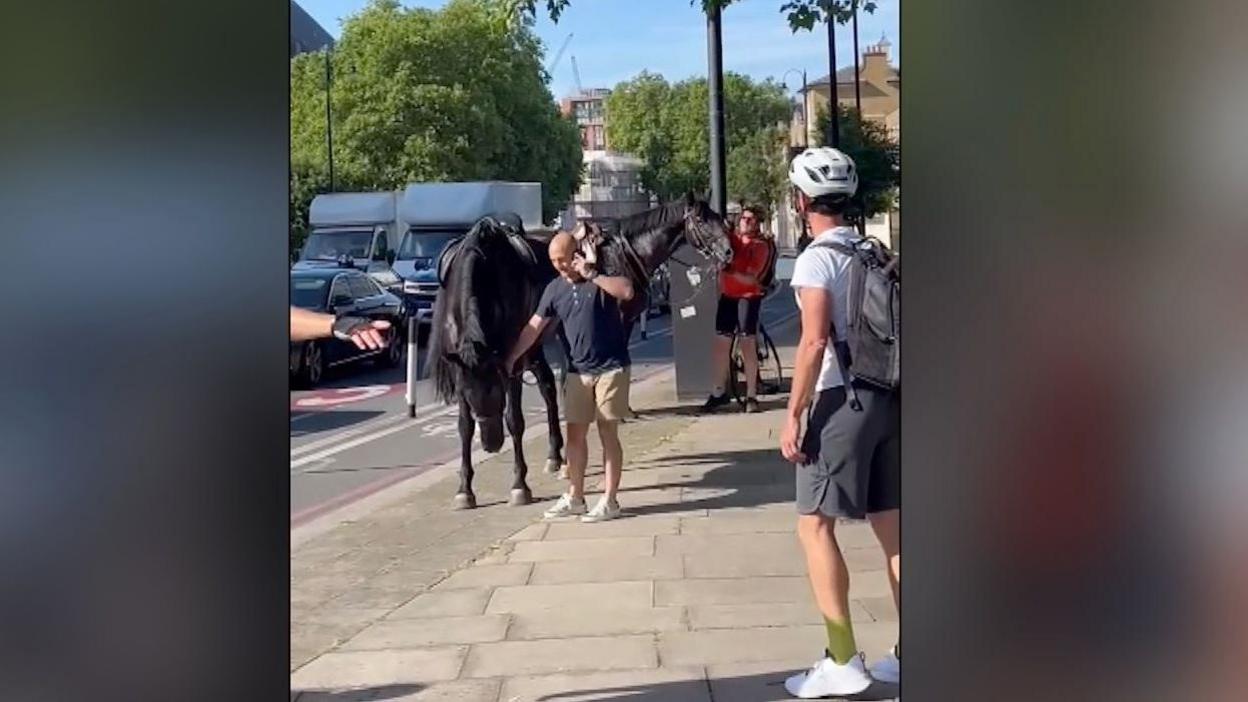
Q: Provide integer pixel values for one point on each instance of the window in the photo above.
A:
(308, 293)
(362, 287)
(339, 289)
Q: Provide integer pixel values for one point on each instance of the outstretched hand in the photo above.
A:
(364, 333)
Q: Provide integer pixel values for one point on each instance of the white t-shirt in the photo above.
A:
(822, 267)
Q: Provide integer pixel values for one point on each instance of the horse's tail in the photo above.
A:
(457, 321)
(442, 369)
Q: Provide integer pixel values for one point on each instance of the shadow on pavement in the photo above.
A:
(326, 420)
(762, 687)
(751, 478)
(364, 694)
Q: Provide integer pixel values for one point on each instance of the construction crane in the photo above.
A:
(559, 54)
(576, 73)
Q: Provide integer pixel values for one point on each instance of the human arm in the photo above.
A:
(306, 325)
(617, 286)
(528, 335)
(816, 316)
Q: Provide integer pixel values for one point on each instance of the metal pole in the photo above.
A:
(329, 119)
(858, 197)
(805, 112)
(715, 85)
(413, 363)
(857, 85)
(834, 131)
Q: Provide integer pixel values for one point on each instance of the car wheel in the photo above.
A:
(313, 367)
(393, 355)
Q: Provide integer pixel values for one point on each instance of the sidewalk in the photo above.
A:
(698, 594)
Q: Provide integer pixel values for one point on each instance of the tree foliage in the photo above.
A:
(801, 14)
(875, 154)
(666, 125)
(422, 95)
(758, 170)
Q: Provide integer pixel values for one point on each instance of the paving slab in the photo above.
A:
(450, 691)
(650, 685)
(420, 633)
(731, 591)
(374, 668)
(575, 549)
(741, 616)
(477, 576)
(448, 603)
(711, 646)
(604, 597)
(518, 658)
(626, 526)
(596, 621)
(608, 570)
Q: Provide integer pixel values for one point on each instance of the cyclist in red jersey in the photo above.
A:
(740, 297)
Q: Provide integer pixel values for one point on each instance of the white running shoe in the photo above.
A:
(602, 511)
(827, 678)
(888, 668)
(566, 506)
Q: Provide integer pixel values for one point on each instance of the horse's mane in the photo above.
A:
(650, 220)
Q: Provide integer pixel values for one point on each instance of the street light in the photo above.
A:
(805, 116)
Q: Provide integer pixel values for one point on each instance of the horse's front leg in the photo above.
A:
(546, 385)
(520, 493)
(465, 498)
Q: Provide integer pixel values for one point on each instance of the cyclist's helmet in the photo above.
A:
(823, 171)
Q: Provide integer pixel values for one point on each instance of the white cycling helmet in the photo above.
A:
(822, 170)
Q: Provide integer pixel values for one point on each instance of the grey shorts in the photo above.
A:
(854, 457)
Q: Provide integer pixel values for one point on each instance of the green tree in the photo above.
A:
(758, 170)
(801, 14)
(875, 154)
(413, 100)
(666, 126)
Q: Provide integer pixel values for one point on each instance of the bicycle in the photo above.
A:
(770, 369)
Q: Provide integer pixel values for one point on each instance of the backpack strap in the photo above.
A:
(840, 349)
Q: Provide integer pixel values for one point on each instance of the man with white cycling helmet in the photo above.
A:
(848, 458)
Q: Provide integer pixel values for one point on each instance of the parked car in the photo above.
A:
(343, 291)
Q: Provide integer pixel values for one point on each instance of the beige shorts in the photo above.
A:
(590, 398)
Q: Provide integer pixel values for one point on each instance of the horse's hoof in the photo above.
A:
(465, 501)
(563, 472)
(553, 465)
(520, 497)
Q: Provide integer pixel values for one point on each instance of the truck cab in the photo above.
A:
(360, 229)
(434, 214)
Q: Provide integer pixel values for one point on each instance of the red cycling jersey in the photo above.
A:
(749, 257)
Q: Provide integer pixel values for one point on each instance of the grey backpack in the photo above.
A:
(871, 352)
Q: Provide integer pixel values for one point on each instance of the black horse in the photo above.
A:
(635, 246)
(491, 281)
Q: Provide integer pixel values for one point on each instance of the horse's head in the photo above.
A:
(482, 383)
(706, 231)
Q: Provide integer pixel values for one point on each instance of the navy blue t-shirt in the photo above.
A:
(592, 322)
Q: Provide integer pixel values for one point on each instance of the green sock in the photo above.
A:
(841, 646)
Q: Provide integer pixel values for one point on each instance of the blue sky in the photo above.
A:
(614, 40)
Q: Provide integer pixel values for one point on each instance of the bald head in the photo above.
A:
(562, 250)
(562, 245)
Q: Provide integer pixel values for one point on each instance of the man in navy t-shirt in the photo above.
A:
(588, 306)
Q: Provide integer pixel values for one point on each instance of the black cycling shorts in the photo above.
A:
(737, 317)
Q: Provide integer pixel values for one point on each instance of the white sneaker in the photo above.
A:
(827, 678)
(888, 668)
(602, 511)
(566, 506)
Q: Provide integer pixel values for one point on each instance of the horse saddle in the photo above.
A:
(503, 224)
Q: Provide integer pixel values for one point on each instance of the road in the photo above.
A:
(352, 436)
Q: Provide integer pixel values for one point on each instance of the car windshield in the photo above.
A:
(418, 243)
(329, 245)
(308, 293)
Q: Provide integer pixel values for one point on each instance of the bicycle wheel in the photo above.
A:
(770, 370)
